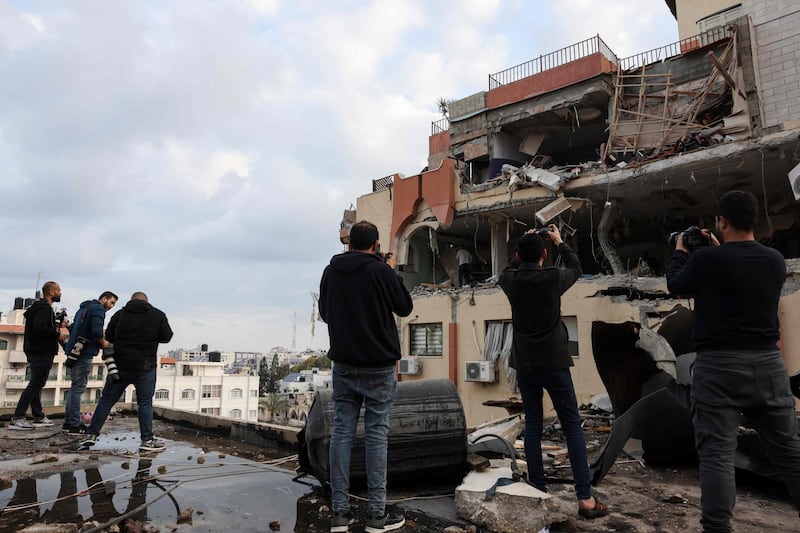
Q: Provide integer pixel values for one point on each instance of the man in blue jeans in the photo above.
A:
(135, 331)
(86, 336)
(739, 369)
(540, 356)
(359, 295)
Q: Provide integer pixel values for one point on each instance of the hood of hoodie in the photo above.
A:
(349, 263)
(35, 306)
(138, 306)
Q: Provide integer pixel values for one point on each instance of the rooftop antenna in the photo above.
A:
(36, 293)
(294, 332)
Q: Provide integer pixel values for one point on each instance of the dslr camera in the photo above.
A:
(542, 232)
(693, 238)
(111, 363)
(77, 348)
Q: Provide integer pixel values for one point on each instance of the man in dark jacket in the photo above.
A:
(135, 331)
(40, 343)
(540, 356)
(739, 369)
(359, 295)
(85, 340)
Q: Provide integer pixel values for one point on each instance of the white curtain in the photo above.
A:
(497, 346)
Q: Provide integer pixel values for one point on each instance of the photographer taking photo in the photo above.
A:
(539, 355)
(739, 368)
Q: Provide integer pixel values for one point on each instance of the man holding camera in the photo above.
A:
(40, 342)
(136, 330)
(540, 356)
(359, 295)
(85, 340)
(739, 369)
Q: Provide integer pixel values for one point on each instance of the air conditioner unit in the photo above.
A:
(409, 365)
(482, 371)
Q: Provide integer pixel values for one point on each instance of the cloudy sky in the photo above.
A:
(203, 151)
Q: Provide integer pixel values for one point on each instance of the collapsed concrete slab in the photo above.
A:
(513, 508)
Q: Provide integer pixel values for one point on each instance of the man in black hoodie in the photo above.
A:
(135, 331)
(540, 356)
(40, 342)
(359, 295)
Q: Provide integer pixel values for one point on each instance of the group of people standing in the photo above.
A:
(134, 332)
(738, 371)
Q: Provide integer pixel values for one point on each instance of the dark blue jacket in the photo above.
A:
(88, 323)
(358, 295)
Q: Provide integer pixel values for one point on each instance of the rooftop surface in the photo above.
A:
(205, 482)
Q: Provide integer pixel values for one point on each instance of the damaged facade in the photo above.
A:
(619, 153)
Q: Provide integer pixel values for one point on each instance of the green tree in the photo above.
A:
(274, 376)
(275, 404)
(263, 378)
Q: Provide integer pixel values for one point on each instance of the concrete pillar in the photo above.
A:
(499, 232)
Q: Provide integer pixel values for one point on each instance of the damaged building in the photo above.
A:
(619, 153)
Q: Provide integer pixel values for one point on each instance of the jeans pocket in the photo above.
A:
(781, 394)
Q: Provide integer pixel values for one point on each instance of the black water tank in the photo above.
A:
(19, 302)
(29, 302)
(427, 435)
(214, 357)
(204, 347)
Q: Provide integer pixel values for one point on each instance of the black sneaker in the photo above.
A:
(88, 441)
(341, 522)
(392, 519)
(74, 430)
(152, 445)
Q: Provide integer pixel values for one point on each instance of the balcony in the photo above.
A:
(17, 356)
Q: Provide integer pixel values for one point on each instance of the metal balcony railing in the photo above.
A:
(552, 60)
(677, 48)
(382, 183)
(440, 126)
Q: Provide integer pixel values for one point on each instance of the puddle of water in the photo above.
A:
(225, 492)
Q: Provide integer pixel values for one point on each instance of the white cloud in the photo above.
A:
(204, 151)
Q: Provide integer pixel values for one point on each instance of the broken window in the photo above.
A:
(571, 323)
(426, 339)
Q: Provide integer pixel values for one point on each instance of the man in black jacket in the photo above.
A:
(539, 355)
(135, 331)
(40, 342)
(739, 369)
(359, 295)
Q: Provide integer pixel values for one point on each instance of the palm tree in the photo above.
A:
(275, 403)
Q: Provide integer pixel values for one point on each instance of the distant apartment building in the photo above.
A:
(205, 387)
(619, 153)
(307, 381)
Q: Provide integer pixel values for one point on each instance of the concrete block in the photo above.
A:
(515, 508)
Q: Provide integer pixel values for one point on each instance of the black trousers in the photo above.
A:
(32, 395)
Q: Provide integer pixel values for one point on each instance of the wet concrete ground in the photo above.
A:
(200, 482)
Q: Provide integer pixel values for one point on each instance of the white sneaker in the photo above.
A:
(42, 422)
(20, 423)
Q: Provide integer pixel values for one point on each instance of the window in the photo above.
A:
(236, 393)
(3, 344)
(210, 410)
(254, 393)
(253, 413)
(426, 339)
(100, 371)
(571, 322)
(236, 413)
(66, 395)
(162, 394)
(187, 394)
(212, 391)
